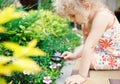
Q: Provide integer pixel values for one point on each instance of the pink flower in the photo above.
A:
(53, 66)
(58, 65)
(57, 54)
(47, 80)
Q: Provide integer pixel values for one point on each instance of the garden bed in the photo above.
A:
(53, 37)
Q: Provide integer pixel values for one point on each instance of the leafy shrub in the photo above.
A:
(46, 4)
(20, 54)
(53, 35)
(5, 3)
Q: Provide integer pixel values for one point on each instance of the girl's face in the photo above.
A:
(77, 17)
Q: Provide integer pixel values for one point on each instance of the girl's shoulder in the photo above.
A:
(105, 12)
(106, 16)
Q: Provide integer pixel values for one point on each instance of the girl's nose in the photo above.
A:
(72, 19)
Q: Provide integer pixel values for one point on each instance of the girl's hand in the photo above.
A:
(68, 56)
(75, 79)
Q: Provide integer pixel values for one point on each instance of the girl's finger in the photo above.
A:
(66, 57)
(64, 54)
(68, 82)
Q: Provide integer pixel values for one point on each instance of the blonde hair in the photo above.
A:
(59, 5)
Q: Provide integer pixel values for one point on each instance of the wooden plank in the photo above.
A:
(98, 77)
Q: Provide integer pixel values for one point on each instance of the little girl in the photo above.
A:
(101, 30)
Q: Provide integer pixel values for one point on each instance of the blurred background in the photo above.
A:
(112, 4)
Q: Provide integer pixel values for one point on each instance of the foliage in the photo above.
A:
(9, 64)
(6, 15)
(46, 4)
(53, 35)
(19, 61)
(16, 29)
(5, 3)
(48, 23)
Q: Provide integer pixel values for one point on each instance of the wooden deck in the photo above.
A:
(100, 77)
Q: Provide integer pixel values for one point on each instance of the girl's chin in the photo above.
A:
(77, 22)
(80, 22)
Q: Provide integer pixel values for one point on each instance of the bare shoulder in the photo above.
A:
(105, 16)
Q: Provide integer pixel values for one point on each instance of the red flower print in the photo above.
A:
(104, 58)
(119, 55)
(105, 43)
(112, 61)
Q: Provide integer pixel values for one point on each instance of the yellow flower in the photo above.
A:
(10, 64)
(2, 29)
(33, 43)
(5, 70)
(20, 61)
(2, 81)
(22, 51)
(8, 14)
(24, 64)
(4, 59)
(11, 82)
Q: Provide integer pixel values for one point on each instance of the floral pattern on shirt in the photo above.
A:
(107, 50)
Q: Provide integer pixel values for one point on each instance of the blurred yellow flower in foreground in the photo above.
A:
(4, 59)
(8, 14)
(5, 70)
(24, 64)
(2, 81)
(2, 29)
(22, 51)
(10, 64)
(20, 61)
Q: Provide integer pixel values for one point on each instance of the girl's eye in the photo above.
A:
(73, 16)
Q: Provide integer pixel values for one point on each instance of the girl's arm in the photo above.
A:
(72, 56)
(99, 25)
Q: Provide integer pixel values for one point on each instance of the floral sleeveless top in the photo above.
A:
(107, 50)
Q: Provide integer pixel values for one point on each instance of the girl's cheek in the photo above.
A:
(80, 20)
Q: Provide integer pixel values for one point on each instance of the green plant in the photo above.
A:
(46, 4)
(53, 35)
(19, 59)
(5, 3)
